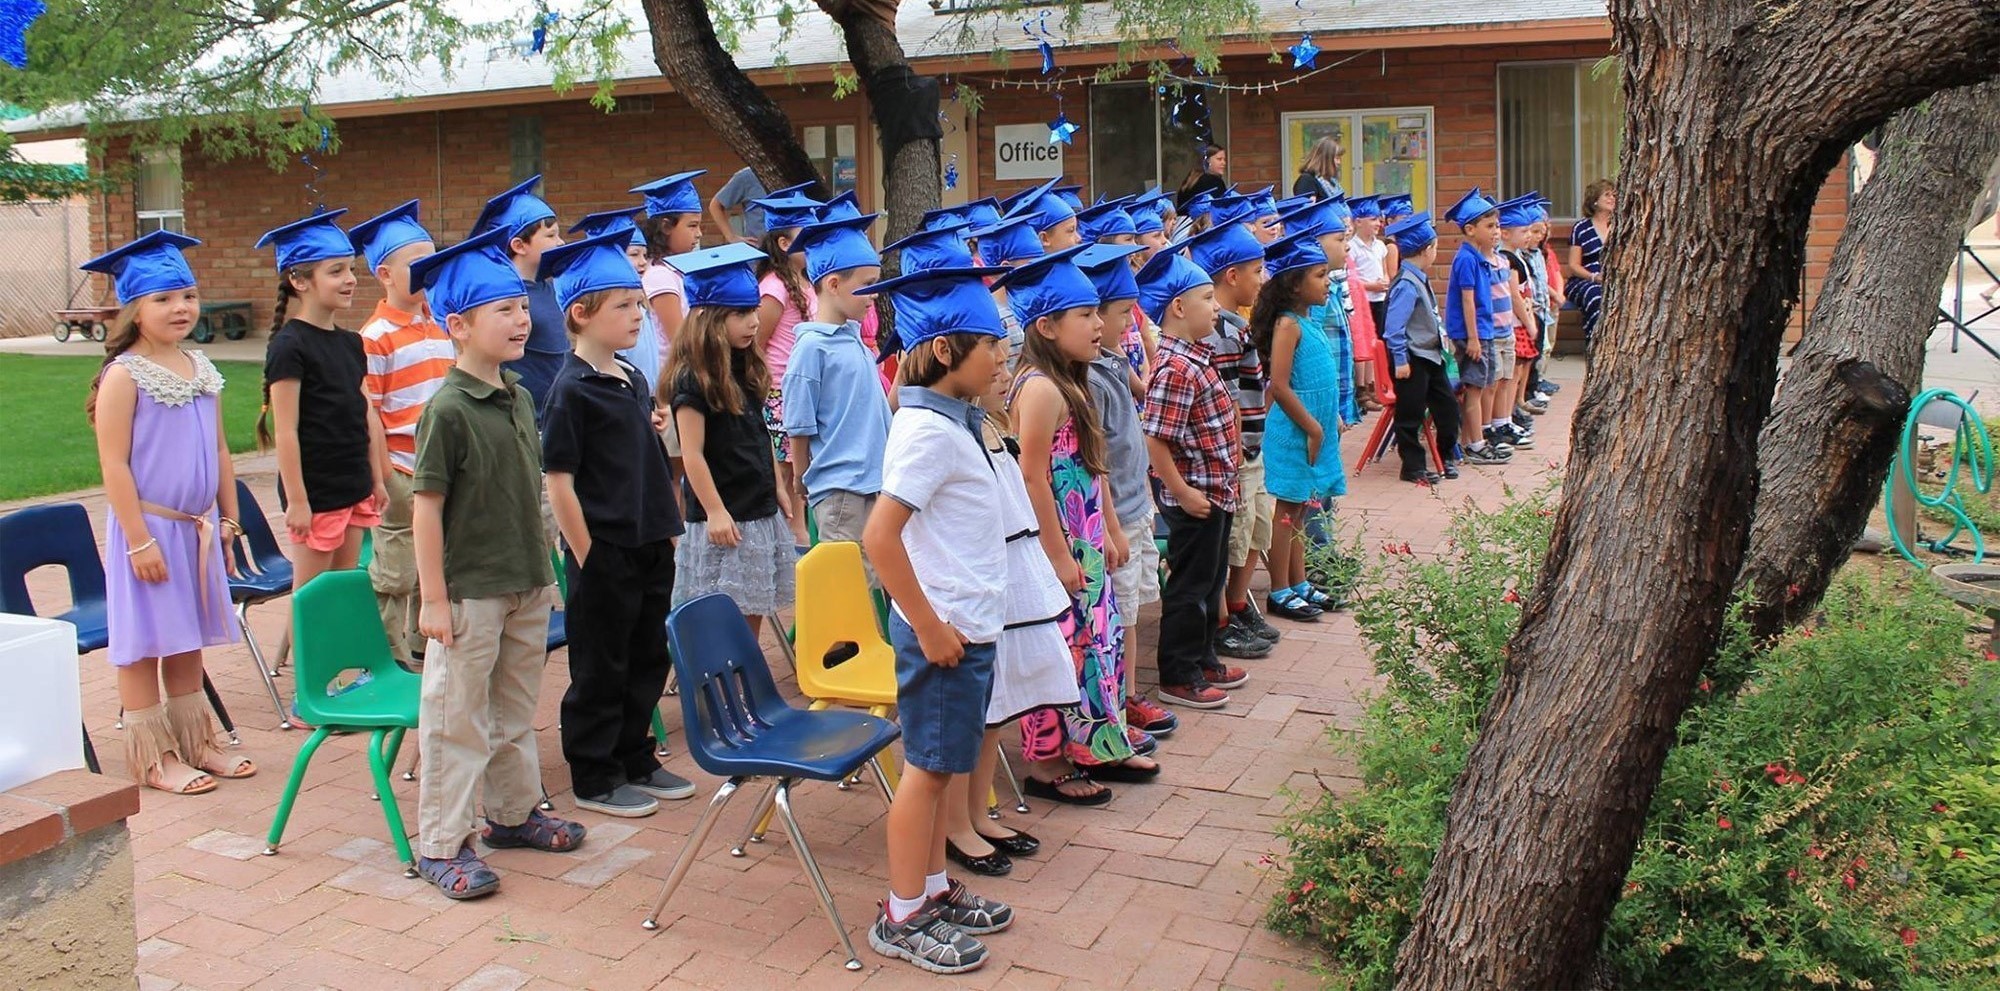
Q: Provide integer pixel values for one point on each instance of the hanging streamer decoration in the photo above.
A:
(951, 172)
(1304, 54)
(540, 38)
(1038, 29)
(325, 142)
(1061, 129)
(15, 18)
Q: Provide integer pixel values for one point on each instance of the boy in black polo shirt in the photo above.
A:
(612, 494)
(483, 579)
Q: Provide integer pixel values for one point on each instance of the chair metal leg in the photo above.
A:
(221, 711)
(1007, 768)
(759, 822)
(380, 756)
(784, 798)
(263, 670)
(90, 754)
(659, 733)
(784, 641)
(702, 827)
(291, 795)
(882, 778)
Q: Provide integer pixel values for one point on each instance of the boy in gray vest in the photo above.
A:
(1413, 333)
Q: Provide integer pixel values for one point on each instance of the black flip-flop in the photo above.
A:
(1052, 790)
(1123, 773)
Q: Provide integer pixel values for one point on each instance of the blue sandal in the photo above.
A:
(542, 832)
(462, 877)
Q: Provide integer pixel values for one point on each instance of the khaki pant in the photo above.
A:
(393, 569)
(842, 515)
(1250, 528)
(477, 719)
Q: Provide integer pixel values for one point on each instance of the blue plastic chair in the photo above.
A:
(265, 574)
(739, 727)
(60, 534)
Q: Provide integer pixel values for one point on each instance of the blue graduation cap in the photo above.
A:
(1147, 219)
(1398, 204)
(1109, 267)
(788, 211)
(473, 272)
(1149, 200)
(1047, 285)
(939, 302)
(1013, 203)
(672, 194)
(1012, 239)
(1223, 246)
(836, 246)
(586, 266)
(1292, 203)
(1364, 207)
(1262, 201)
(1234, 211)
(1107, 219)
(939, 247)
(1470, 207)
(1293, 252)
(1542, 209)
(1072, 196)
(1197, 205)
(721, 276)
(1317, 217)
(515, 210)
(1519, 211)
(1412, 233)
(983, 212)
(942, 217)
(1166, 276)
(151, 264)
(793, 190)
(379, 236)
(314, 239)
(603, 220)
(846, 206)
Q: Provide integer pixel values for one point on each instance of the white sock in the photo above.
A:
(935, 884)
(900, 908)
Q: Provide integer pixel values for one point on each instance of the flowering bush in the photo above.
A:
(1833, 821)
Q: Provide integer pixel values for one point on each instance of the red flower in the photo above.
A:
(1940, 808)
(1958, 855)
(1545, 513)
(1792, 591)
(1724, 823)
(1991, 656)
(1815, 852)
(1291, 898)
(1909, 936)
(1861, 863)
(1264, 860)
(1398, 872)
(1727, 787)
(1554, 464)
(1511, 596)
(1406, 548)
(1848, 879)
(1307, 888)
(1805, 634)
(1705, 686)
(1792, 874)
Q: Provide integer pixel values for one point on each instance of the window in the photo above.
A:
(832, 152)
(1561, 125)
(1392, 153)
(156, 193)
(1135, 143)
(524, 144)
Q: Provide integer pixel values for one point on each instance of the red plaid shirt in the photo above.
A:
(1190, 408)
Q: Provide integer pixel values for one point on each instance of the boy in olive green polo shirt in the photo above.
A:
(483, 577)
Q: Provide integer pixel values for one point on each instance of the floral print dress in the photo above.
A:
(1092, 731)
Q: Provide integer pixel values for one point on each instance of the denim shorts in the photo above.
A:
(1482, 373)
(942, 710)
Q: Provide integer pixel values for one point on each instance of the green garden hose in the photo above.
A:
(1971, 451)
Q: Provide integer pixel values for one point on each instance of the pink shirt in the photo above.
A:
(778, 352)
(660, 278)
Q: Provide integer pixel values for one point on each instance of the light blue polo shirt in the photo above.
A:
(834, 396)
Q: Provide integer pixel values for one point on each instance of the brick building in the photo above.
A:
(1429, 96)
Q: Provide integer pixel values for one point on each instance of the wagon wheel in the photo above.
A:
(235, 327)
(99, 330)
(62, 331)
(203, 332)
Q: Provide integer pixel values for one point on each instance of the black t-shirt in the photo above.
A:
(738, 450)
(333, 414)
(599, 428)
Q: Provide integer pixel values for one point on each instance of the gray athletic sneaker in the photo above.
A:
(927, 940)
(971, 913)
(624, 801)
(663, 783)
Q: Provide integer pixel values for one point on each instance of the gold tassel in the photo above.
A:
(193, 728)
(149, 738)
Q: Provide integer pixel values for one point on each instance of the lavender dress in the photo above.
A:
(176, 465)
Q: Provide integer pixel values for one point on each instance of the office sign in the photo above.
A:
(1024, 151)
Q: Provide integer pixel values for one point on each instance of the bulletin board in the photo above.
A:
(1394, 153)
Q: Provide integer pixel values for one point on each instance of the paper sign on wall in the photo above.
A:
(1024, 151)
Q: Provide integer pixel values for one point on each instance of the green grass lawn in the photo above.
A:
(46, 445)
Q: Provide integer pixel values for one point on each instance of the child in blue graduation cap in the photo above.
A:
(743, 546)
(530, 226)
(785, 298)
(1052, 217)
(672, 226)
(649, 352)
(329, 442)
(171, 490)
(1517, 223)
(1309, 410)
(1012, 241)
(1413, 335)
(836, 416)
(611, 491)
(945, 566)
(1368, 259)
(1469, 321)
(483, 577)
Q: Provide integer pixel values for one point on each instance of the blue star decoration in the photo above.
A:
(1061, 129)
(1304, 53)
(15, 18)
(951, 173)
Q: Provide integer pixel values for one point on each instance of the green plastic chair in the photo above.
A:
(367, 549)
(335, 628)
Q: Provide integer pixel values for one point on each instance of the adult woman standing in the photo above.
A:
(1586, 252)
(1205, 179)
(1319, 177)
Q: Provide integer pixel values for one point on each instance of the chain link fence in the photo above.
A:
(41, 244)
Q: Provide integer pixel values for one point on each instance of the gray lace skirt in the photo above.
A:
(757, 572)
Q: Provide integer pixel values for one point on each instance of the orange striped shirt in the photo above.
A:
(408, 357)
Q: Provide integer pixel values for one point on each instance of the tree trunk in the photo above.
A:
(1735, 112)
(903, 105)
(750, 122)
(1839, 413)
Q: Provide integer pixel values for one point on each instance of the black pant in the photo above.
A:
(1197, 570)
(617, 623)
(1427, 388)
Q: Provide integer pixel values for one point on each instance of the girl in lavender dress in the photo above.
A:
(166, 474)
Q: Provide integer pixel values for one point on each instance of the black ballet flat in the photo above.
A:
(995, 864)
(1018, 845)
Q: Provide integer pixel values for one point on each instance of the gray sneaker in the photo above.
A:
(663, 783)
(927, 940)
(971, 913)
(624, 801)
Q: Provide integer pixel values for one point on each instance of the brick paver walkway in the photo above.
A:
(1162, 888)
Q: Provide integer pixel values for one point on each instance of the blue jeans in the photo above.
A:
(942, 710)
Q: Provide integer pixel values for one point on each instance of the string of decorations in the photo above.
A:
(1166, 77)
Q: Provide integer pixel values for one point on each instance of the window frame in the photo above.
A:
(147, 221)
(1160, 178)
(1580, 67)
(1351, 158)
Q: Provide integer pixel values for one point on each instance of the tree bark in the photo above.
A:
(903, 106)
(690, 55)
(1735, 112)
(1839, 414)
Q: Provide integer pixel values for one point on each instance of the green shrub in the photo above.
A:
(1835, 822)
